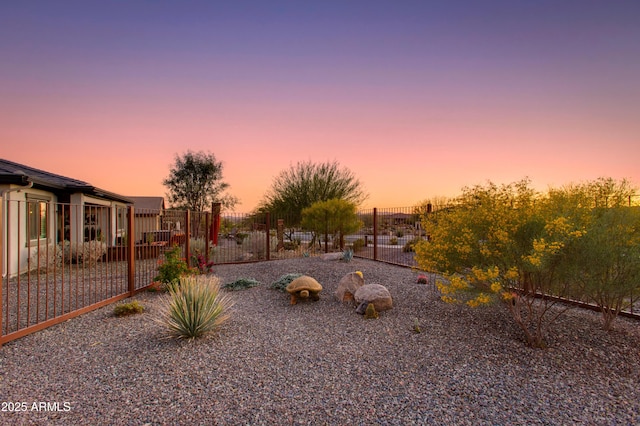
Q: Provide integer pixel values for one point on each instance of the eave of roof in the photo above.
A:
(18, 174)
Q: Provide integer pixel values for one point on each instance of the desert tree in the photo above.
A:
(305, 183)
(195, 182)
(331, 217)
(579, 242)
(493, 244)
(606, 259)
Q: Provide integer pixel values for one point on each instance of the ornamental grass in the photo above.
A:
(195, 307)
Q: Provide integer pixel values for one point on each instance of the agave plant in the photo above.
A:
(195, 307)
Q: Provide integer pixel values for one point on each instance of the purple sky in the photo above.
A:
(417, 98)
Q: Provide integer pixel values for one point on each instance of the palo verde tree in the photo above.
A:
(305, 183)
(195, 182)
(527, 249)
(485, 247)
(606, 259)
(331, 217)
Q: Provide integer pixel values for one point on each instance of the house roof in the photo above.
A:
(20, 174)
(151, 203)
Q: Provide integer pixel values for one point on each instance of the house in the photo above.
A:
(148, 219)
(40, 209)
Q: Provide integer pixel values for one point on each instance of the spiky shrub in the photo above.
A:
(282, 282)
(195, 307)
(347, 255)
(241, 284)
(130, 308)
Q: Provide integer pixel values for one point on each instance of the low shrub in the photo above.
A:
(204, 265)
(241, 284)
(130, 308)
(291, 245)
(173, 267)
(357, 245)
(282, 282)
(409, 246)
(195, 307)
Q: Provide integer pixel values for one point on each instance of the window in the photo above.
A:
(96, 222)
(37, 223)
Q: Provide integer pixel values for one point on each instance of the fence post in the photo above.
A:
(2, 242)
(215, 227)
(131, 254)
(207, 221)
(375, 233)
(187, 237)
(268, 231)
(280, 234)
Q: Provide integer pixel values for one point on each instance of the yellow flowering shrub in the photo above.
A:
(510, 243)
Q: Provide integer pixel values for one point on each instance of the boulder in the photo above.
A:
(331, 256)
(376, 294)
(348, 285)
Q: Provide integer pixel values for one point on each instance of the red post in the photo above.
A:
(131, 254)
(2, 222)
(375, 233)
(215, 228)
(187, 237)
(206, 235)
(268, 239)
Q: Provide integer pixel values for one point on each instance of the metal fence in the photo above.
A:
(61, 260)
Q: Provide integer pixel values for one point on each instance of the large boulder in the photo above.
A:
(373, 293)
(348, 285)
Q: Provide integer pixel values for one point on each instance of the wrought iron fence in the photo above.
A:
(61, 260)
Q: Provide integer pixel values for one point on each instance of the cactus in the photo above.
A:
(416, 326)
(370, 313)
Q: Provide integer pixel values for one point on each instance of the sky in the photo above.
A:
(418, 99)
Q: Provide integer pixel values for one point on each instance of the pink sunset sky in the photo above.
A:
(417, 98)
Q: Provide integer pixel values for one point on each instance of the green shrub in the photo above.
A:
(173, 267)
(409, 246)
(241, 284)
(240, 236)
(357, 245)
(291, 245)
(282, 282)
(195, 307)
(130, 308)
(393, 241)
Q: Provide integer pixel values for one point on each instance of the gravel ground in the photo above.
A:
(321, 363)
